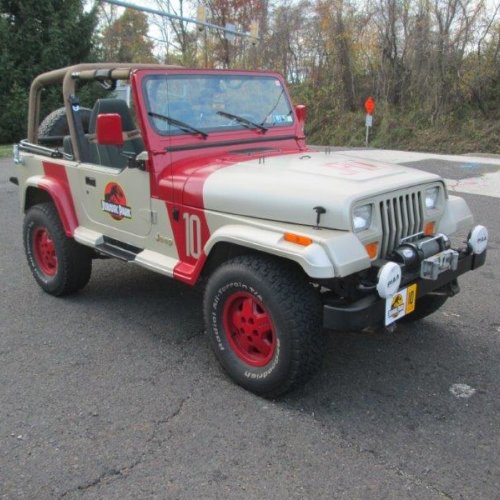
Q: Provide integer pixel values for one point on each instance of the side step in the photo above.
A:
(114, 248)
(118, 249)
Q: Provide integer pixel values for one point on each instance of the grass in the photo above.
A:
(408, 132)
(6, 151)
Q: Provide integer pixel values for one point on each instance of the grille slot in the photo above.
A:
(401, 217)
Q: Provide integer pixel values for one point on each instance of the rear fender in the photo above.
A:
(59, 194)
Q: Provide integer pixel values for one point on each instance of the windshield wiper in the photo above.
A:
(274, 107)
(177, 123)
(243, 121)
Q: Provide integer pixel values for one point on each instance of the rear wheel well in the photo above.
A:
(34, 196)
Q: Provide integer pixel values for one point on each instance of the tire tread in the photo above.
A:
(75, 258)
(300, 301)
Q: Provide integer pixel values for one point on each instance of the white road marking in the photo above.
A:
(486, 185)
(462, 391)
(394, 156)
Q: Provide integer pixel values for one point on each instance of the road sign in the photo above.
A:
(370, 105)
(369, 120)
(229, 33)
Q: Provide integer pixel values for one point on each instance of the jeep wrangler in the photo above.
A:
(205, 177)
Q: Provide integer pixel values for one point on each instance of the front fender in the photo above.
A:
(456, 217)
(313, 258)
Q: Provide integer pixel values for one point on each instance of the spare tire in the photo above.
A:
(55, 126)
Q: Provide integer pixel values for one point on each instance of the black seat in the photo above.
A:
(112, 156)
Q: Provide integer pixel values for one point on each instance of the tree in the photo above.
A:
(240, 13)
(38, 36)
(126, 39)
(180, 40)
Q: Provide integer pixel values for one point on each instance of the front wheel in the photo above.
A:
(59, 264)
(264, 322)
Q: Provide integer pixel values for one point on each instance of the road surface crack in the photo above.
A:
(114, 473)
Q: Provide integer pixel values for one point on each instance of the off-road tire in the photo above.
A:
(71, 269)
(293, 308)
(425, 306)
(56, 123)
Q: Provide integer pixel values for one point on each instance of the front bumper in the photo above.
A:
(370, 310)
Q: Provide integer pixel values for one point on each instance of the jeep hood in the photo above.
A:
(286, 188)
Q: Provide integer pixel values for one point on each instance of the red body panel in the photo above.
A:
(55, 182)
(179, 165)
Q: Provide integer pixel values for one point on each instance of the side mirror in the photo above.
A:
(109, 129)
(301, 112)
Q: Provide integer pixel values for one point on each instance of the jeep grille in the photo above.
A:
(401, 216)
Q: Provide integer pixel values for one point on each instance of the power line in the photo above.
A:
(157, 12)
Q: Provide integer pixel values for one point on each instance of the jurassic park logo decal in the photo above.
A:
(115, 202)
(400, 304)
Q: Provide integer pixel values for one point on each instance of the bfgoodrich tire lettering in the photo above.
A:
(59, 264)
(279, 344)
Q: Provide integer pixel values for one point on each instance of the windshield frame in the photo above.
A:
(235, 129)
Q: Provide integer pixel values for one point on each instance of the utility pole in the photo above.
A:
(201, 16)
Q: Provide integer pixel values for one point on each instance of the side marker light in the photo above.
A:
(297, 239)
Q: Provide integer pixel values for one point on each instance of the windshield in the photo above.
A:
(216, 103)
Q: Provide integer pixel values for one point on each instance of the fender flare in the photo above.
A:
(456, 216)
(61, 197)
(312, 258)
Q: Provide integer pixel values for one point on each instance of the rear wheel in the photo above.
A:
(59, 264)
(264, 322)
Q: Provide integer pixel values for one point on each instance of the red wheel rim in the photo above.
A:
(249, 329)
(44, 251)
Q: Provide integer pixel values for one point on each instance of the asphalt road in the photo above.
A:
(114, 393)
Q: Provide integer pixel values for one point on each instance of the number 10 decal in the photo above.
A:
(193, 235)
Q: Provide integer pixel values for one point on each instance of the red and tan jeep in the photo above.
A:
(206, 177)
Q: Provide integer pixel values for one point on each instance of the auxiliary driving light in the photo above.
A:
(478, 239)
(389, 279)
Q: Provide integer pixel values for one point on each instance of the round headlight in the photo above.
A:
(431, 197)
(361, 218)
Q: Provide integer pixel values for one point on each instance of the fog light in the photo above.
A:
(478, 239)
(389, 279)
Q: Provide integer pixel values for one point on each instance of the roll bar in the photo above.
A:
(68, 76)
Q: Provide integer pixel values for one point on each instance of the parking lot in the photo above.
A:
(114, 393)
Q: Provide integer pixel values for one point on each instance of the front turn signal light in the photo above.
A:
(372, 249)
(297, 239)
(430, 228)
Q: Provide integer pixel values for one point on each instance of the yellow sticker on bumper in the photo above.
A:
(411, 298)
